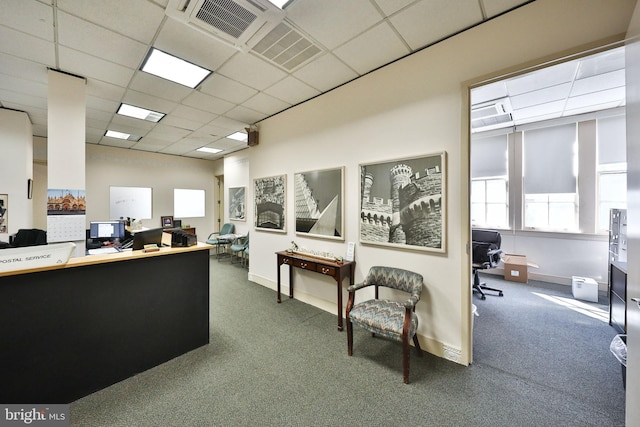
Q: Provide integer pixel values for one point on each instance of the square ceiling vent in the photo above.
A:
(286, 47)
(239, 23)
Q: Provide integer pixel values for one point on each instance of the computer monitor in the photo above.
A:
(106, 230)
(147, 237)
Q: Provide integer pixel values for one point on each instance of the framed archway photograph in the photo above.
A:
(270, 203)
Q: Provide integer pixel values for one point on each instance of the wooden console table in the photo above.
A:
(339, 271)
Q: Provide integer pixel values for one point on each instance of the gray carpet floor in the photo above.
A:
(268, 364)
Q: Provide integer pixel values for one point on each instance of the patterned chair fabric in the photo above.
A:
(385, 317)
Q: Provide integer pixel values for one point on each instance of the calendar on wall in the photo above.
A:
(66, 215)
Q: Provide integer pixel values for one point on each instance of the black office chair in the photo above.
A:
(485, 254)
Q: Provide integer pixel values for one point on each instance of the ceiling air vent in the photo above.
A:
(239, 23)
(286, 47)
(491, 115)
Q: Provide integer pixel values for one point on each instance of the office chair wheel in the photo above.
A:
(500, 294)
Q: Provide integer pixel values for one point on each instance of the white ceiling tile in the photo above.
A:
(27, 87)
(224, 88)
(97, 125)
(389, 7)
(252, 71)
(162, 88)
(325, 73)
(153, 144)
(94, 40)
(136, 19)
(244, 114)
(131, 125)
(332, 22)
(496, 7)
(168, 133)
(601, 63)
(105, 90)
(599, 82)
(229, 123)
(552, 108)
(81, 64)
(101, 104)
(554, 93)
(181, 123)
(10, 65)
(116, 142)
(194, 114)
(28, 47)
(28, 17)
(208, 103)
(97, 116)
(266, 104)
(596, 98)
(8, 96)
(377, 46)
(547, 77)
(144, 100)
(178, 39)
(292, 90)
(445, 18)
(489, 92)
(595, 107)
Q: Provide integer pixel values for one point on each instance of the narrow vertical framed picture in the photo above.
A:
(237, 203)
(270, 203)
(403, 203)
(319, 203)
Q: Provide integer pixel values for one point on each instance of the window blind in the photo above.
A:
(612, 140)
(549, 159)
(489, 156)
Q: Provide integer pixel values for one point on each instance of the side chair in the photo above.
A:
(223, 238)
(388, 318)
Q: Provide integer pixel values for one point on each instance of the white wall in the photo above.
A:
(16, 166)
(416, 106)
(110, 166)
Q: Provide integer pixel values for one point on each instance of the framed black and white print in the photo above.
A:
(270, 197)
(403, 203)
(319, 203)
(237, 203)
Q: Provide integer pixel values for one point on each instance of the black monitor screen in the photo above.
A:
(147, 237)
(106, 230)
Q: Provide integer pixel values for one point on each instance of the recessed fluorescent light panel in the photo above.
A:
(140, 113)
(172, 68)
(121, 135)
(238, 136)
(209, 150)
(279, 3)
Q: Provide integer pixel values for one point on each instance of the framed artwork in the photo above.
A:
(167, 221)
(4, 213)
(403, 203)
(270, 196)
(237, 203)
(319, 203)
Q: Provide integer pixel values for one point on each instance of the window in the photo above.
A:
(489, 201)
(489, 206)
(550, 181)
(612, 168)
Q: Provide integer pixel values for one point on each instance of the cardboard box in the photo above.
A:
(584, 288)
(516, 268)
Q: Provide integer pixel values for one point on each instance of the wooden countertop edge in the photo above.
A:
(107, 258)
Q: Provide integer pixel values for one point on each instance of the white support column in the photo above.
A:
(66, 154)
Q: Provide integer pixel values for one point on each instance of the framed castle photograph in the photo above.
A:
(319, 203)
(403, 203)
(270, 197)
(237, 203)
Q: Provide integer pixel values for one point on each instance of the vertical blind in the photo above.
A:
(489, 156)
(549, 159)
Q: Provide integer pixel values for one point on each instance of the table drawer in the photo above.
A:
(305, 265)
(324, 269)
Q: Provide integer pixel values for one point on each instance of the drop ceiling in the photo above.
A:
(309, 48)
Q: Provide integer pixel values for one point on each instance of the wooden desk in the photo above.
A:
(339, 271)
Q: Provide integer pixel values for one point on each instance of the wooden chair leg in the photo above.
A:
(405, 359)
(416, 343)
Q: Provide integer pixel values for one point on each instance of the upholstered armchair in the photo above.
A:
(386, 317)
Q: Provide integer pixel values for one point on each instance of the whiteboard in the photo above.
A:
(188, 203)
(129, 202)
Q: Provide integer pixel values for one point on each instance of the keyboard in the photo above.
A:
(105, 250)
